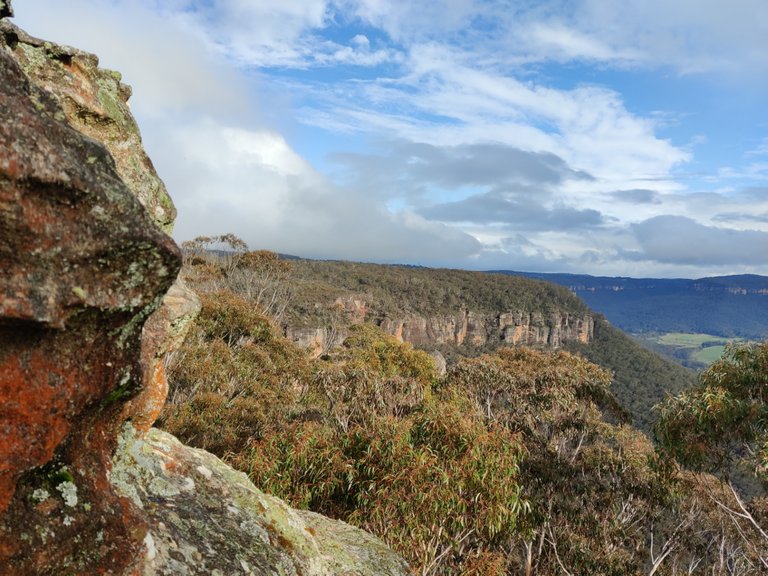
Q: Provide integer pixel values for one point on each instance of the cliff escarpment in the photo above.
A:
(466, 328)
(725, 306)
(431, 308)
(460, 313)
(90, 307)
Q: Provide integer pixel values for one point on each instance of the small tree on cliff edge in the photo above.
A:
(225, 263)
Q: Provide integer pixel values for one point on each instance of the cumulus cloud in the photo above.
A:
(252, 183)
(680, 240)
(733, 217)
(443, 98)
(410, 168)
(450, 141)
(520, 211)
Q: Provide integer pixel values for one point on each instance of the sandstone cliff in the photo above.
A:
(463, 328)
(430, 308)
(89, 308)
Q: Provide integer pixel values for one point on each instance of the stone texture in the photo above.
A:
(5, 8)
(440, 364)
(460, 329)
(95, 102)
(316, 341)
(163, 333)
(83, 266)
(205, 518)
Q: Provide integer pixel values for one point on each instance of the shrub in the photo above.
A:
(439, 485)
(372, 374)
(234, 377)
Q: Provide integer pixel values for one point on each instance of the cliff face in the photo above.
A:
(460, 329)
(89, 308)
(477, 329)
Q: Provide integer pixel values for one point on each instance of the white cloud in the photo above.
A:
(556, 41)
(588, 126)
(252, 183)
(157, 53)
(458, 74)
(267, 32)
(405, 21)
(690, 35)
(680, 240)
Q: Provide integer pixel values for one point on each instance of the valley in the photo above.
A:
(723, 306)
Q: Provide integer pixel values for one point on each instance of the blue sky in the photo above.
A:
(611, 138)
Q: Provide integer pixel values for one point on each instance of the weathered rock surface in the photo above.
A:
(94, 101)
(205, 518)
(463, 328)
(83, 266)
(477, 329)
(163, 333)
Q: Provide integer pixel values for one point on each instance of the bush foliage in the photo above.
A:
(511, 463)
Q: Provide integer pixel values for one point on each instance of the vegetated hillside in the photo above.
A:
(395, 290)
(726, 306)
(504, 465)
(641, 377)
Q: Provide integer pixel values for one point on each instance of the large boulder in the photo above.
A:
(83, 266)
(205, 518)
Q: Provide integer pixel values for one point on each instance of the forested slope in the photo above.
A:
(509, 463)
(641, 378)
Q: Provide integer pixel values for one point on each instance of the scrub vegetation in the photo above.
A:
(515, 461)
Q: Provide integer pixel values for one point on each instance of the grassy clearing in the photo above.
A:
(688, 340)
(709, 354)
(694, 350)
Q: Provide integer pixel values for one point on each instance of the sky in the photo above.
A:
(587, 136)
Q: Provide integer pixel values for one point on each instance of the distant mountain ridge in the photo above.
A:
(728, 306)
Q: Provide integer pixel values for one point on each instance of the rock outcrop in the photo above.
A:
(86, 321)
(465, 328)
(478, 329)
(94, 102)
(205, 518)
(83, 267)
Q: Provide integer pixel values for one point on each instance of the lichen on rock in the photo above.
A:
(94, 101)
(206, 518)
(83, 267)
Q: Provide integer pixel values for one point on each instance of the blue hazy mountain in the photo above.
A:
(728, 306)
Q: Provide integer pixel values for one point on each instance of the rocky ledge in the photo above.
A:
(205, 518)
